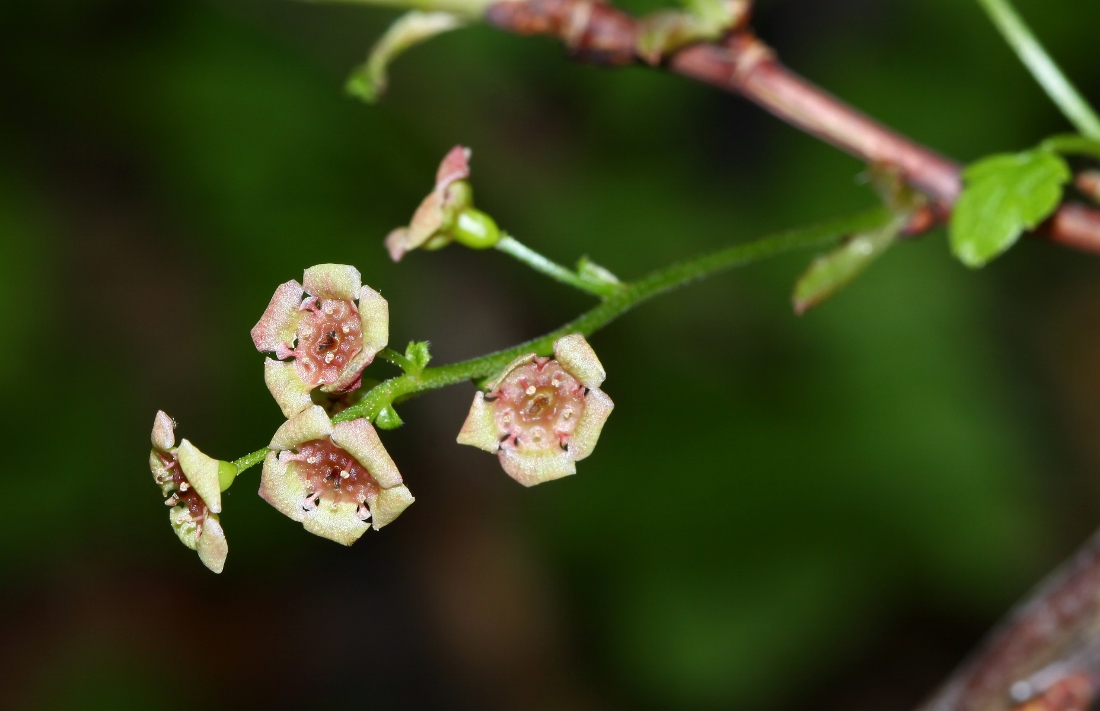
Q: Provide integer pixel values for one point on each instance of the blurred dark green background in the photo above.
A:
(818, 513)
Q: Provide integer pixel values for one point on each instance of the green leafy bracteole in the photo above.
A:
(834, 270)
(369, 81)
(1004, 195)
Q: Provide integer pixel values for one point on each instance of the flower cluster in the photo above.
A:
(191, 483)
(542, 415)
(330, 472)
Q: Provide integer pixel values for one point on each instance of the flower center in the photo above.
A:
(329, 336)
(332, 474)
(538, 404)
(188, 497)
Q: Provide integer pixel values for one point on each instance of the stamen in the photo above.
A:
(309, 502)
(363, 513)
(567, 413)
(345, 328)
(344, 474)
(311, 460)
(171, 500)
(531, 390)
(330, 357)
(184, 486)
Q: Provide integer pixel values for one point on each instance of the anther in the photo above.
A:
(530, 390)
(345, 328)
(330, 357)
(184, 486)
(344, 474)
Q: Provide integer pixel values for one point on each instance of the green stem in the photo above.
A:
(511, 246)
(626, 297)
(1042, 67)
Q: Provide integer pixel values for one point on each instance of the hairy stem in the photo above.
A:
(626, 297)
(1045, 71)
(513, 247)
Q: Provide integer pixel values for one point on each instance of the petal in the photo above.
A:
(361, 441)
(161, 474)
(389, 504)
(597, 406)
(426, 221)
(202, 473)
(212, 546)
(454, 166)
(332, 281)
(579, 360)
(398, 244)
(309, 424)
(184, 526)
(374, 317)
(281, 486)
(286, 386)
(276, 327)
(522, 360)
(336, 522)
(536, 466)
(164, 431)
(480, 429)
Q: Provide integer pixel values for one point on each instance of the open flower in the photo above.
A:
(332, 478)
(542, 415)
(192, 484)
(330, 327)
(437, 212)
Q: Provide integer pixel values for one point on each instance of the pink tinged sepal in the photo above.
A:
(335, 521)
(522, 360)
(359, 439)
(164, 432)
(579, 360)
(202, 473)
(480, 429)
(287, 387)
(212, 546)
(597, 408)
(309, 424)
(274, 332)
(389, 504)
(374, 316)
(281, 487)
(332, 281)
(530, 467)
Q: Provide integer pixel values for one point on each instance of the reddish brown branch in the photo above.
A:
(600, 34)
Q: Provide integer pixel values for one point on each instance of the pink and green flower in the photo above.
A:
(191, 483)
(323, 333)
(542, 415)
(336, 480)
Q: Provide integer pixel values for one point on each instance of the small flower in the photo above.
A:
(542, 415)
(332, 478)
(192, 484)
(446, 214)
(328, 335)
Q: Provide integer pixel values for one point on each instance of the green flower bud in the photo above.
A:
(475, 229)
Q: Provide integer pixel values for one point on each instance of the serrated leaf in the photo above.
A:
(1073, 144)
(369, 80)
(1004, 195)
(831, 272)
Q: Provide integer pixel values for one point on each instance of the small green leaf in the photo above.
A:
(1073, 144)
(369, 80)
(418, 354)
(831, 272)
(388, 419)
(1005, 194)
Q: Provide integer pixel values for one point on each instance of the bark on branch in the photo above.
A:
(601, 34)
